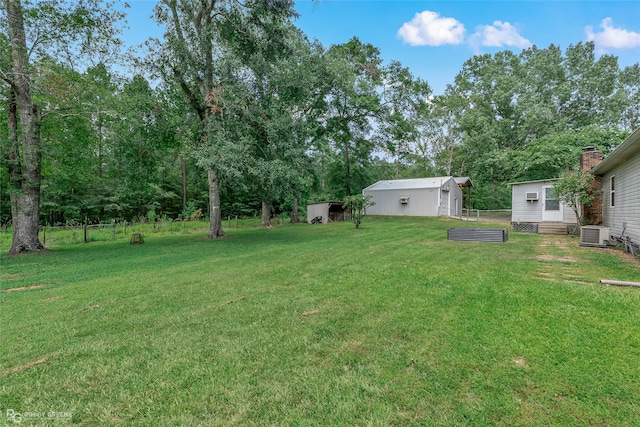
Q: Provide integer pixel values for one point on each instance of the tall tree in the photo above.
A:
(192, 47)
(47, 31)
(353, 105)
(404, 100)
(519, 111)
(25, 151)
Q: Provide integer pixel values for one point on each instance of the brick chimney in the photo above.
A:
(590, 158)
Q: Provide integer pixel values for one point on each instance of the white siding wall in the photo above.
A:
(627, 208)
(521, 209)
(422, 202)
(448, 199)
(569, 216)
(524, 211)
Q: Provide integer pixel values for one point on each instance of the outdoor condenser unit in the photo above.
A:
(593, 235)
(532, 196)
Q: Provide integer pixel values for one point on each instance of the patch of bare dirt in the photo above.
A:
(12, 276)
(521, 362)
(24, 288)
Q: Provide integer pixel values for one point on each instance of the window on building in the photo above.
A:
(613, 191)
(551, 203)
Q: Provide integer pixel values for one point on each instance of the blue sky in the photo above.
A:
(434, 38)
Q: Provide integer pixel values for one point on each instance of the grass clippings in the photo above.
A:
(311, 312)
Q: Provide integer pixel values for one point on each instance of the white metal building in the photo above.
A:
(439, 196)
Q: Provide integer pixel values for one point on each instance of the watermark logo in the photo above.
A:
(14, 416)
(18, 417)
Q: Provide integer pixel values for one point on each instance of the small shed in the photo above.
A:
(534, 208)
(438, 196)
(328, 212)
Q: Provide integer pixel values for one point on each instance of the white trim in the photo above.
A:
(612, 191)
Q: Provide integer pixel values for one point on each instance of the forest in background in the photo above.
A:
(236, 100)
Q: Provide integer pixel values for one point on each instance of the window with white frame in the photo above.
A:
(612, 189)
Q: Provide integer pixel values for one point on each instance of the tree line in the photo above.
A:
(236, 112)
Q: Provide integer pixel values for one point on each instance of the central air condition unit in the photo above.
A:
(593, 235)
(532, 196)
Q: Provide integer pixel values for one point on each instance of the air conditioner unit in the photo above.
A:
(593, 235)
(404, 200)
(532, 196)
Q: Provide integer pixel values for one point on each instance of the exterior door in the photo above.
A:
(551, 207)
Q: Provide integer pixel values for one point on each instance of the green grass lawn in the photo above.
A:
(305, 325)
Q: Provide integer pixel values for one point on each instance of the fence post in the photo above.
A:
(84, 227)
(114, 230)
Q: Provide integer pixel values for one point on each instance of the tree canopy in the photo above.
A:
(236, 112)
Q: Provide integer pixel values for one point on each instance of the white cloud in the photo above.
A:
(611, 37)
(499, 34)
(430, 29)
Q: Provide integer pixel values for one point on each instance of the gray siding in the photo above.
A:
(524, 211)
(627, 208)
(422, 201)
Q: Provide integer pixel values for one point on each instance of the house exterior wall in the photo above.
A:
(523, 211)
(422, 201)
(627, 199)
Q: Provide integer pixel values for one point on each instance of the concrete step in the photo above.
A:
(552, 228)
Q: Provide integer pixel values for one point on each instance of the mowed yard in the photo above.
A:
(388, 325)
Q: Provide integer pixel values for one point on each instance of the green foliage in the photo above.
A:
(574, 189)
(526, 116)
(358, 204)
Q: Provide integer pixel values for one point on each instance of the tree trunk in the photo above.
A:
(347, 170)
(183, 168)
(215, 215)
(26, 155)
(266, 215)
(295, 215)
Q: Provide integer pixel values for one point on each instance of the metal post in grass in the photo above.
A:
(84, 228)
(236, 221)
(114, 229)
